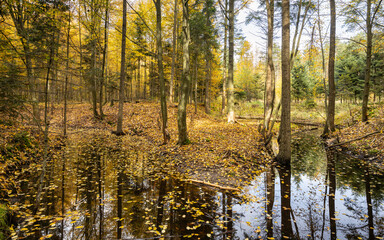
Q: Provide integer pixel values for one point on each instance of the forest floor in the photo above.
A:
(363, 139)
(222, 154)
(219, 154)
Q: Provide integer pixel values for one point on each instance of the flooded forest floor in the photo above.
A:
(94, 169)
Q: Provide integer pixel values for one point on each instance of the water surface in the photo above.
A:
(94, 191)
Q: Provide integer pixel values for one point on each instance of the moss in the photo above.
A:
(3, 222)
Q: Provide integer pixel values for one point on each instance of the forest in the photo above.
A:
(167, 119)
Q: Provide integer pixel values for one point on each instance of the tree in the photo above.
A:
(105, 58)
(363, 16)
(231, 30)
(23, 16)
(331, 70)
(350, 71)
(174, 43)
(92, 23)
(246, 76)
(299, 81)
(225, 66)
(163, 100)
(209, 45)
(119, 130)
(269, 95)
(284, 140)
(186, 78)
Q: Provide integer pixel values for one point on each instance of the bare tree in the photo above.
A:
(174, 43)
(230, 90)
(284, 140)
(331, 71)
(163, 100)
(119, 130)
(186, 79)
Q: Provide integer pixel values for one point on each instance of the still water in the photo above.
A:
(94, 191)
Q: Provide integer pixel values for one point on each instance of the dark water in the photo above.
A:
(110, 194)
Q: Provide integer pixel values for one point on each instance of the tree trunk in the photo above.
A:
(231, 26)
(331, 68)
(174, 43)
(185, 79)
(364, 113)
(81, 57)
(195, 83)
(269, 96)
(104, 66)
(145, 79)
(326, 125)
(119, 130)
(93, 46)
(225, 66)
(66, 77)
(207, 85)
(285, 125)
(163, 100)
(138, 96)
(18, 18)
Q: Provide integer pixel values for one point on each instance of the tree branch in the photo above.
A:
(141, 18)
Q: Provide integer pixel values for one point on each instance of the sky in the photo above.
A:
(253, 33)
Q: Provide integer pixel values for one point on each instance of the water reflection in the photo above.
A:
(285, 196)
(331, 171)
(101, 192)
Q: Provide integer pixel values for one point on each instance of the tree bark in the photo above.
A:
(331, 68)
(231, 26)
(93, 46)
(66, 77)
(163, 100)
(185, 79)
(225, 66)
(119, 130)
(364, 112)
(138, 95)
(285, 125)
(174, 43)
(269, 96)
(104, 66)
(208, 75)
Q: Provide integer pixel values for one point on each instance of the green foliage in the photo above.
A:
(248, 79)
(3, 222)
(299, 81)
(310, 103)
(10, 83)
(350, 72)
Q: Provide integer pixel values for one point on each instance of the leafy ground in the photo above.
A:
(226, 154)
(219, 153)
(352, 129)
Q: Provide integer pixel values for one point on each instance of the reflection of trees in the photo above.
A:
(285, 193)
(307, 156)
(87, 168)
(352, 172)
(270, 190)
(332, 192)
(363, 178)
